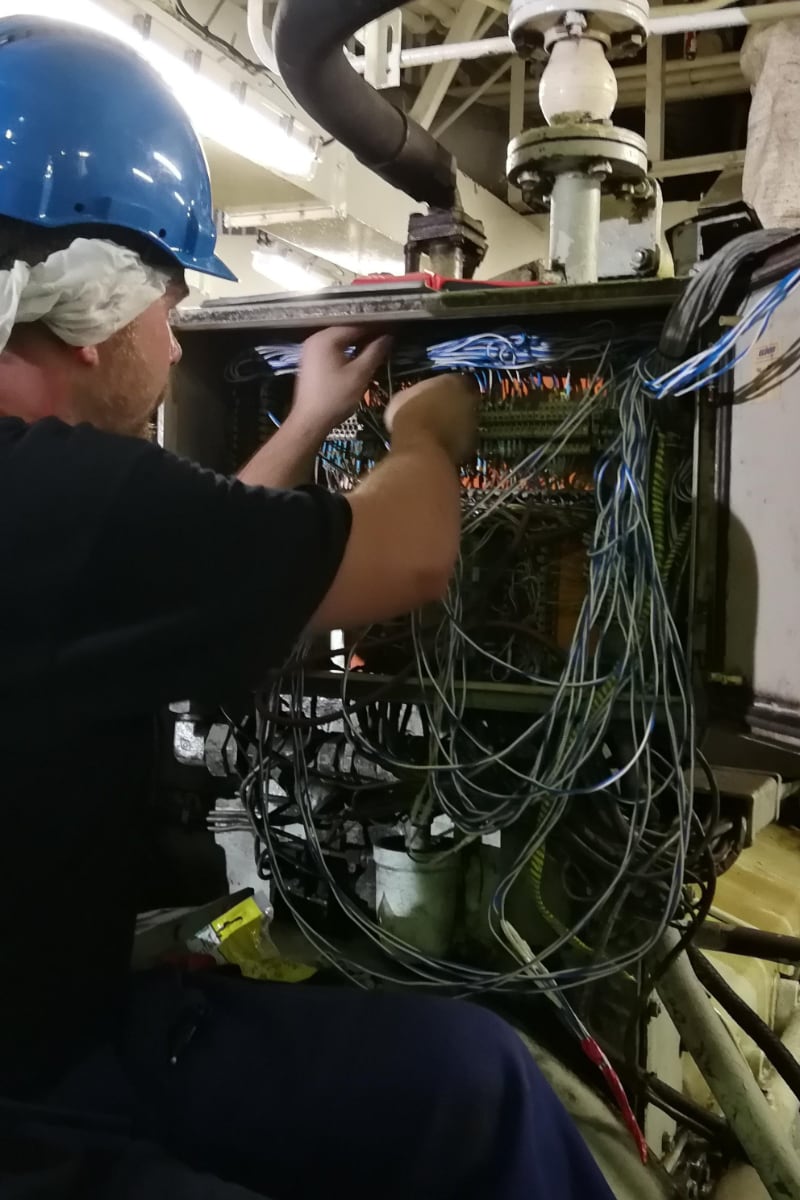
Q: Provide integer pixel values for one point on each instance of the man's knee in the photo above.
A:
(478, 1078)
(475, 1046)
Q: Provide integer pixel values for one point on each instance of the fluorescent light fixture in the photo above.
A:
(261, 218)
(292, 275)
(361, 264)
(257, 134)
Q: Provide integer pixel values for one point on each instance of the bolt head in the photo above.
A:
(641, 260)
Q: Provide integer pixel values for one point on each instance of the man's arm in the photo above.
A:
(287, 459)
(406, 517)
(329, 387)
(406, 529)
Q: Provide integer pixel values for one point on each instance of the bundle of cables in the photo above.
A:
(603, 766)
(625, 663)
(508, 350)
(595, 783)
(719, 359)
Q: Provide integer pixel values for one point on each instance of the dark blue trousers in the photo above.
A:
(304, 1093)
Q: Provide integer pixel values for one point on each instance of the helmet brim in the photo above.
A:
(209, 266)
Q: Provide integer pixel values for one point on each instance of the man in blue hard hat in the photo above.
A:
(162, 1085)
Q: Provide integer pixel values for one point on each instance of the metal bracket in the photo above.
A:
(383, 44)
(761, 794)
(453, 241)
(630, 232)
(142, 23)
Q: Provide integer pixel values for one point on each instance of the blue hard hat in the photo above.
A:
(91, 135)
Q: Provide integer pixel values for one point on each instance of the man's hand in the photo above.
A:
(329, 388)
(406, 529)
(443, 409)
(331, 383)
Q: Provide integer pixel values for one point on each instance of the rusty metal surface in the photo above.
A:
(401, 301)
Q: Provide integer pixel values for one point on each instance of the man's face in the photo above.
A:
(132, 378)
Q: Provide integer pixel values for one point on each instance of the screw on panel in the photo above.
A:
(642, 260)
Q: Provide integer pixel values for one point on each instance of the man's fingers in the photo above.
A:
(340, 337)
(372, 355)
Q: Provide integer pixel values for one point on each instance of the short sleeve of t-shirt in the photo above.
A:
(170, 581)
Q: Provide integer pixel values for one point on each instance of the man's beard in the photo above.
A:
(122, 414)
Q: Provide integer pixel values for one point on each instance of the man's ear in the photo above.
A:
(87, 356)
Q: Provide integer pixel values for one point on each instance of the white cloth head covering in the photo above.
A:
(84, 294)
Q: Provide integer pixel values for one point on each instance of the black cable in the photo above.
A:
(221, 44)
(248, 64)
(708, 1124)
(297, 722)
(722, 280)
(748, 1020)
(751, 943)
(716, 799)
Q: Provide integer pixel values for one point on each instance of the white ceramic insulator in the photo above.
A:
(578, 79)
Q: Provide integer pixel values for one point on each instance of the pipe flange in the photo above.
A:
(618, 156)
(563, 33)
(624, 22)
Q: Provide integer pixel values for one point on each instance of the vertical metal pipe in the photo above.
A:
(654, 116)
(575, 225)
(730, 1079)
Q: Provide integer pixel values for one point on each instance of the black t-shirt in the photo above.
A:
(128, 579)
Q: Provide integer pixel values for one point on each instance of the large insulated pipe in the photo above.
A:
(308, 36)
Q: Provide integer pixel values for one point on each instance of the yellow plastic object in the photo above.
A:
(241, 938)
(761, 888)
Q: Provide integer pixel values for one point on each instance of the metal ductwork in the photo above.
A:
(308, 39)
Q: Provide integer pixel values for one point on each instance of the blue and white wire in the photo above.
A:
(709, 364)
(498, 757)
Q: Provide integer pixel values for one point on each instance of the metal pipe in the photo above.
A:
(712, 66)
(467, 103)
(632, 91)
(677, 67)
(698, 164)
(421, 56)
(780, 1096)
(575, 225)
(675, 10)
(690, 19)
(424, 56)
(705, 91)
(632, 95)
(728, 1076)
(256, 31)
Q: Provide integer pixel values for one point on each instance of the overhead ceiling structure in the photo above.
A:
(274, 170)
(659, 92)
